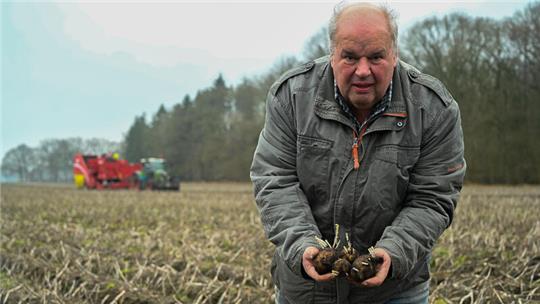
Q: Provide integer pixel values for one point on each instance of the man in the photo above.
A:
(362, 140)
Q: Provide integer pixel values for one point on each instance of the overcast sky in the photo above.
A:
(87, 68)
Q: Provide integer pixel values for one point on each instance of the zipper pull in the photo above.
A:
(355, 152)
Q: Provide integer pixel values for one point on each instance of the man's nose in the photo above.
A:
(363, 69)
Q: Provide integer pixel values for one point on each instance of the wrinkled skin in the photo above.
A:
(363, 58)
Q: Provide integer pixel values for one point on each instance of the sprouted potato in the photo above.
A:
(348, 262)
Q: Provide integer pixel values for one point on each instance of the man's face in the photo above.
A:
(363, 60)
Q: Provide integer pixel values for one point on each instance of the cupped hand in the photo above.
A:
(309, 268)
(382, 271)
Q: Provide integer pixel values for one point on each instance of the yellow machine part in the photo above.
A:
(79, 180)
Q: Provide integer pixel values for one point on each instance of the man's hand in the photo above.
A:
(382, 272)
(307, 263)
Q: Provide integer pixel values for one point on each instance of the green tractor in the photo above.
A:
(154, 176)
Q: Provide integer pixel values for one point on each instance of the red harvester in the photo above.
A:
(104, 172)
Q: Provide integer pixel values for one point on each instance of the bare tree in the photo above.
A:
(317, 45)
(19, 162)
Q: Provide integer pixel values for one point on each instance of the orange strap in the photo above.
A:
(357, 141)
(355, 151)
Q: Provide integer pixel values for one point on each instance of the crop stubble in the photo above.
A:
(206, 245)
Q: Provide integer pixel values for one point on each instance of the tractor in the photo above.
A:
(154, 176)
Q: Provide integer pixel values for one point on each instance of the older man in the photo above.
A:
(368, 142)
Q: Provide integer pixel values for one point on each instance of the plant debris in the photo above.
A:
(206, 245)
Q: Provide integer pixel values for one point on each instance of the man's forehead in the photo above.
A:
(363, 12)
(357, 34)
(370, 23)
(363, 46)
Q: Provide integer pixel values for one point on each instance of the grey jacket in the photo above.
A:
(401, 198)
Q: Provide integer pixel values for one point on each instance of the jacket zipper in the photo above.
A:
(357, 140)
(356, 162)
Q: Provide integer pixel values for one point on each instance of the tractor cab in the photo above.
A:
(154, 175)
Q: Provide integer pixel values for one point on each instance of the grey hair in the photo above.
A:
(389, 13)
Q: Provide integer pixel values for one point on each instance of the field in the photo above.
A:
(205, 244)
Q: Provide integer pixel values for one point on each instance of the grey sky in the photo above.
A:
(86, 69)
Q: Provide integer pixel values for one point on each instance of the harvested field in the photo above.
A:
(205, 244)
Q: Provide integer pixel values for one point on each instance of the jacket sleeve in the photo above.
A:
(285, 212)
(434, 186)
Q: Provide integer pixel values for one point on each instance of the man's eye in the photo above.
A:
(349, 59)
(376, 58)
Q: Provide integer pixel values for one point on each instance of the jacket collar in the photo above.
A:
(326, 105)
(398, 105)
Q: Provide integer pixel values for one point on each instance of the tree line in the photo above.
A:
(490, 66)
(52, 159)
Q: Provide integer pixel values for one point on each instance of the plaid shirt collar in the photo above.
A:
(379, 107)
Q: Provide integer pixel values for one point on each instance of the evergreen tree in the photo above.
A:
(137, 140)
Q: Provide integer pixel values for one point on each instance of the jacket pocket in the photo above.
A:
(403, 156)
(313, 156)
(294, 288)
(389, 174)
